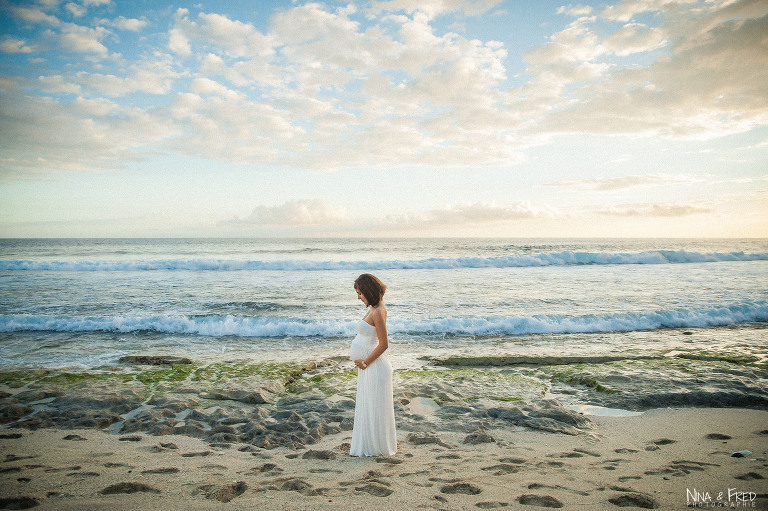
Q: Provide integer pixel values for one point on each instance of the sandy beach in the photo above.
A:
(152, 439)
(660, 459)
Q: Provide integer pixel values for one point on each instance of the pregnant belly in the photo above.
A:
(360, 349)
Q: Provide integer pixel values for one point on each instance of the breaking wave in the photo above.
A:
(271, 327)
(566, 258)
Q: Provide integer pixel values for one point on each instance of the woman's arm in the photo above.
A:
(379, 317)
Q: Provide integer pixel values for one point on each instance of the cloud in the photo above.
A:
(318, 213)
(205, 86)
(470, 214)
(440, 115)
(434, 8)
(32, 15)
(130, 24)
(58, 84)
(13, 45)
(216, 31)
(575, 10)
(82, 39)
(709, 83)
(621, 183)
(178, 43)
(635, 38)
(655, 210)
(151, 78)
(307, 212)
(75, 10)
(77, 136)
(321, 87)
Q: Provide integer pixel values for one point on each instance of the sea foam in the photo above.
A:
(270, 327)
(566, 258)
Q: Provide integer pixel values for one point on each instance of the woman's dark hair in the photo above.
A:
(371, 288)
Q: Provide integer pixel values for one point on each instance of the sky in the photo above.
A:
(518, 118)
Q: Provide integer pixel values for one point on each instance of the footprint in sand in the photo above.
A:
(419, 473)
(539, 500)
(13, 457)
(196, 454)
(491, 505)
(83, 474)
(164, 470)
(539, 486)
(717, 436)
(682, 468)
(588, 452)
(389, 461)
(319, 455)
(266, 468)
(111, 464)
(502, 468)
(514, 461)
(613, 464)
(750, 476)
(298, 485)
(222, 493)
(18, 503)
(465, 488)
(375, 489)
(634, 500)
(63, 469)
(126, 487)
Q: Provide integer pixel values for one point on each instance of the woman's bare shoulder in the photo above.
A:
(379, 312)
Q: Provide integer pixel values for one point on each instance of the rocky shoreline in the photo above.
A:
(295, 405)
(472, 434)
(268, 406)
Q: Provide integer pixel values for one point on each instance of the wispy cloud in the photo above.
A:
(471, 214)
(656, 210)
(435, 7)
(610, 184)
(319, 213)
(306, 212)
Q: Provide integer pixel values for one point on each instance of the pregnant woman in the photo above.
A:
(373, 433)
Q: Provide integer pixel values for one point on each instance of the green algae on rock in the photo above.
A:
(519, 360)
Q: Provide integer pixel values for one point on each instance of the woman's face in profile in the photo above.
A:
(361, 297)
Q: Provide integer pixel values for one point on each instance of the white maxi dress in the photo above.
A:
(373, 433)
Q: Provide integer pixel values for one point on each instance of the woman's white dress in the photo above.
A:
(373, 433)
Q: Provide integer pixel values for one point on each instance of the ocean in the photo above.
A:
(84, 303)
